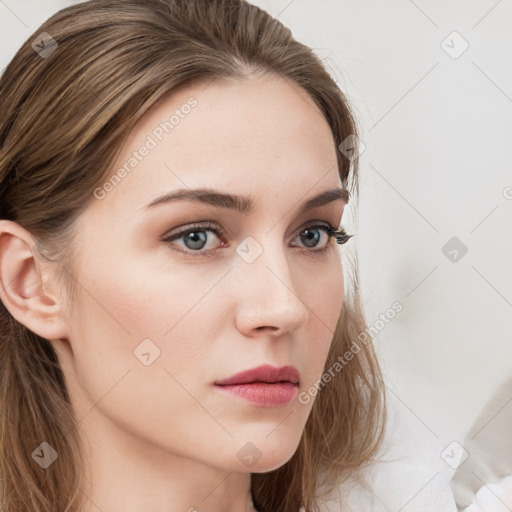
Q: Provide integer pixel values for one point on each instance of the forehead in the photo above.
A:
(263, 137)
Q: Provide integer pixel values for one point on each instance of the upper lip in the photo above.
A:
(264, 373)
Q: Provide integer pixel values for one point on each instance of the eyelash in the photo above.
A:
(339, 234)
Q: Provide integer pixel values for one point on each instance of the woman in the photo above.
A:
(173, 175)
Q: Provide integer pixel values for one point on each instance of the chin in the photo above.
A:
(267, 453)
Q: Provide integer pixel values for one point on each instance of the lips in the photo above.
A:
(265, 373)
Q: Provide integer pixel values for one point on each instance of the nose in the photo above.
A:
(268, 296)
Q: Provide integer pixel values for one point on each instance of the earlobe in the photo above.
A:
(22, 287)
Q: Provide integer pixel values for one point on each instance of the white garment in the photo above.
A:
(493, 497)
(485, 477)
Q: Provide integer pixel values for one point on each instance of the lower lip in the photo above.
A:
(263, 393)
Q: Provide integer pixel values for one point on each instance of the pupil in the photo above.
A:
(197, 238)
(315, 237)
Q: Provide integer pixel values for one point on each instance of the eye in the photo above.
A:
(195, 238)
(311, 237)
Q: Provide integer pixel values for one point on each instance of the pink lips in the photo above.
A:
(264, 385)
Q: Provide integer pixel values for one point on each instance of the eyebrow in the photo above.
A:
(244, 204)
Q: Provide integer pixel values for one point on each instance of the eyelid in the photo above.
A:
(199, 225)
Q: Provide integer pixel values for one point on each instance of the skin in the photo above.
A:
(161, 437)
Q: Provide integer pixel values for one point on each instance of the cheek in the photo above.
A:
(141, 346)
(325, 302)
(323, 289)
(136, 317)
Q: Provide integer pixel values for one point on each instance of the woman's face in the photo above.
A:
(157, 323)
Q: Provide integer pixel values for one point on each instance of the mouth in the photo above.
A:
(265, 385)
(263, 374)
(266, 394)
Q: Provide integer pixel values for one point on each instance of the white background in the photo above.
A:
(437, 132)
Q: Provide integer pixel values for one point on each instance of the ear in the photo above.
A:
(22, 287)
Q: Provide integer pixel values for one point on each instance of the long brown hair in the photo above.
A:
(64, 117)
